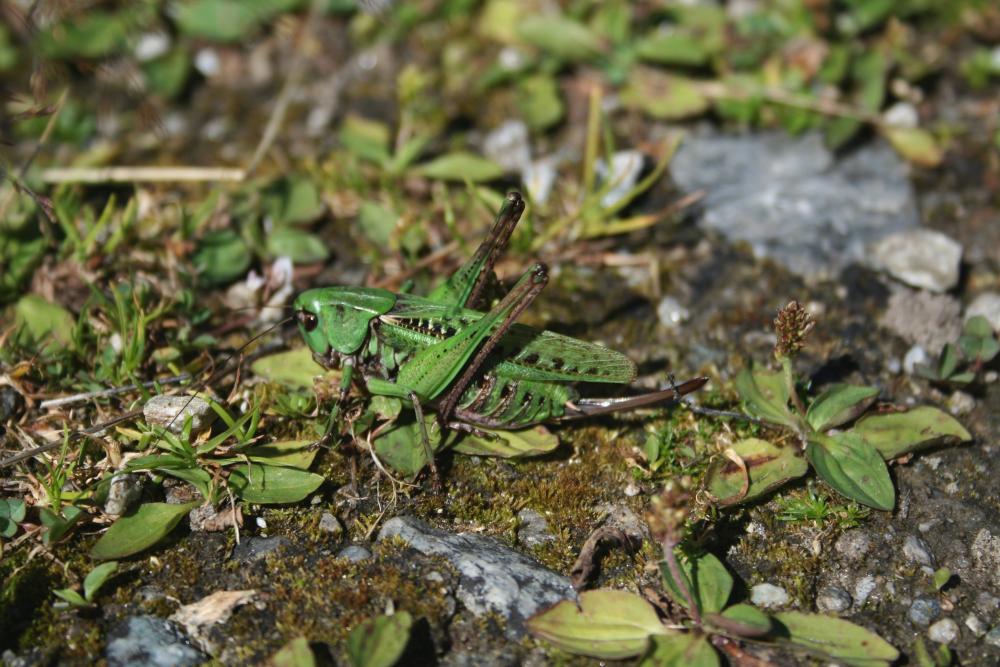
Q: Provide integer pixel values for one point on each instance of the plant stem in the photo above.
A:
(669, 543)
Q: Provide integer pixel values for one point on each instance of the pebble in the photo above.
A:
(924, 319)
(901, 114)
(923, 611)
(207, 62)
(986, 305)
(355, 553)
(918, 551)
(993, 637)
(961, 403)
(976, 625)
(493, 577)
(671, 313)
(171, 412)
(864, 588)
(833, 600)
(151, 45)
(944, 631)
(508, 145)
(124, 492)
(853, 544)
(985, 552)
(768, 596)
(328, 523)
(533, 529)
(921, 258)
(539, 177)
(255, 549)
(151, 642)
(11, 402)
(211, 519)
(791, 199)
(915, 356)
(622, 175)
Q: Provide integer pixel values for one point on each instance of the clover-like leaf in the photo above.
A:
(897, 433)
(853, 467)
(379, 641)
(705, 576)
(977, 341)
(751, 468)
(268, 484)
(834, 638)
(139, 530)
(607, 624)
(765, 395)
(689, 649)
(12, 512)
(839, 404)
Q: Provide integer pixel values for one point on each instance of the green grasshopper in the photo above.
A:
(478, 370)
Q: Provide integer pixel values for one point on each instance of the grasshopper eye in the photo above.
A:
(307, 320)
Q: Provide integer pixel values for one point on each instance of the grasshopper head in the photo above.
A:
(337, 318)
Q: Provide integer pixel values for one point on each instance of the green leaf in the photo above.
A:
(765, 395)
(100, 574)
(948, 363)
(978, 327)
(368, 139)
(57, 525)
(90, 34)
(295, 368)
(560, 36)
(288, 453)
(834, 639)
(12, 512)
(72, 597)
(379, 641)
(673, 48)
(141, 529)
(977, 342)
(539, 101)
(219, 20)
(742, 620)
(302, 247)
(377, 223)
(764, 467)
(461, 166)
(839, 404)
(898, 433)
(509, 444)
(293, 201)
(222, 257)
(607, 624)
(273, 484)
(664, 96)
(401, 448)
(941, 577)
(915, 144)
(40, 322)
(853, 467)
(705, 576)
(167, 74)
(295, 653)
(684, 650)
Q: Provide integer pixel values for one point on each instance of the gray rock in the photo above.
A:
(124, 492)
(864, 587)
(944, 631)
(923, 611)
(993, 637)
(918, 551)
(622, 175)
(924, 319)
(985, 553)
(919, 257)
(171, 412)
(539, 177)
(533, 529)
(853, 544)
(508, 145)
(976, 625)
(768, 596)
(330, 524)
(671, 313)
(493, 577)
(961, 403)
(11, 402)
(791, 200)
(986, 305)
(256, 548)
(355, 553)
(833, 600)
(915, 357)
(149, 641)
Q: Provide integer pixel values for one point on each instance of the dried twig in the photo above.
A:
(140, 174)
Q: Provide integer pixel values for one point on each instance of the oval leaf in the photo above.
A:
(706, 577)
(559, 35)
(834, 638)
(742, 620)
(379, 642)
(684, 650)
(461, 166)
(839, 404)
(611, 625)
(302, 247)
(401, 448)
(509, 444)
(273, 484)
(915, 144)
(765, 467)
(288, 453)
(295, 368)
(295, 653)
(663, 96)
(140, 530)
(765, 395)
(853, 467)
(97, 577)
(899, 433)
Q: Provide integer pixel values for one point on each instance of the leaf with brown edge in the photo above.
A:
(753, 468)
(897, 433)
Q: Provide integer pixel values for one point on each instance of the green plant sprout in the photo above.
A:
(962, 362)
(842, 437)
(91, 585)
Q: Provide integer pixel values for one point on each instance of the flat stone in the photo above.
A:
(864, 587)
(924, 319)
(533, 529)
(916, 550)
(853, 544)
(792, 200)
(328, 523)
(622, 175)
(509, 145)
(986, 305)
(768, 596)
(923, 611)
(151, 642)
(256, 548)
(124, 493)
(171, 412)
(671, 313)
(833, 600)
(993, 637)
(944, 631)
(493, 577)
(355, 553)
(976, 625)
(919, 257)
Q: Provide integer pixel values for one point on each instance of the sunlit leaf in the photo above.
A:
(295, 368)
(839, 404)
(560, 36)
(682, 650)
(509, 444)
(461, 166)
(607, 624)
(402, 449)
(295, 653)
(834, 638)
(302, 247)
(41, 322)
(269, 484)
(100, 574)
(664, 96)
(765, 395)
(765, 466)
(897, 433)
(706, 577)
(915, 144)
(139, 530)
(379, 641)
(853, 467)
(742, 620)
(289, 453)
